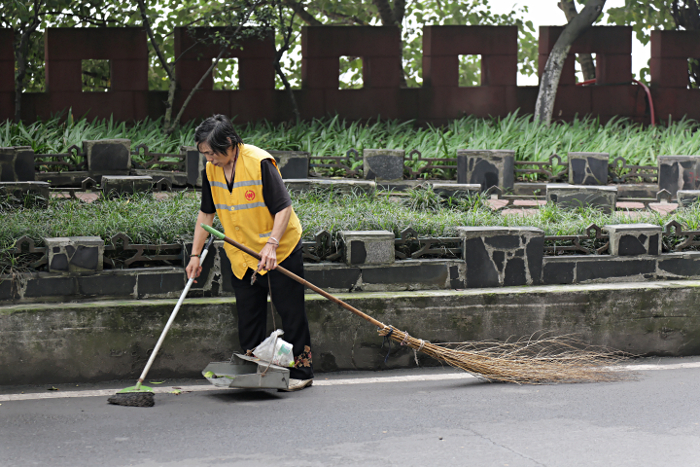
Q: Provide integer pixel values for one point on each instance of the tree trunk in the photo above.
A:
(393, 17)
(586, 60)
(21, 49)
(290, 91)
(196, 88)
(549, 82)
(688, 17)
(167, 119)
(21, 60)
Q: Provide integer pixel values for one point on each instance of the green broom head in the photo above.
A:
(137, 388)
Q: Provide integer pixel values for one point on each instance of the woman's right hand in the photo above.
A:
(194, 269)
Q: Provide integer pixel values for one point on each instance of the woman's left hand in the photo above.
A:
(268, 257)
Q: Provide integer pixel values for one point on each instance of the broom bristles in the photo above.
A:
(537, 360)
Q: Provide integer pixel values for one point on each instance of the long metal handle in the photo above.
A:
(291, 275)
(172, 317)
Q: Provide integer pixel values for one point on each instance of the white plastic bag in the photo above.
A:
(281, 355)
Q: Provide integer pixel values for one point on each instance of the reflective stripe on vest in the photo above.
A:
(243, 212)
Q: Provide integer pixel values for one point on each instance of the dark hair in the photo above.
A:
(216, 131)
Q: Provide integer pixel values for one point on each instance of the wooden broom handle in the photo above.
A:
(291, 275)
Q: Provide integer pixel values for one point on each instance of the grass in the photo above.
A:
(172, 220)
(639, 145)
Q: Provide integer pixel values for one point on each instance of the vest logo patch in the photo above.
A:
(250, 195)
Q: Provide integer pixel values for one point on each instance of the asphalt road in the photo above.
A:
(429, 417)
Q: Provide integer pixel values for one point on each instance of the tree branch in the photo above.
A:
(86, 19)
(151, 36)
(399, 10)
(586, 60)
(300, 11)
(21, 51)
(170, 128)
(348, 19)
(287, 35)
(549, 81)
(385, 12)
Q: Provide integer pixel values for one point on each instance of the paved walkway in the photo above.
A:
(410, 418)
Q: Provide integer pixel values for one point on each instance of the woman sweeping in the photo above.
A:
(242, 185)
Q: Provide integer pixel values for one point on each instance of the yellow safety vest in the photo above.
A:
(243, 212)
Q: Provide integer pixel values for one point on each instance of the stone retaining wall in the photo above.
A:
(105, 340)
(490, 258)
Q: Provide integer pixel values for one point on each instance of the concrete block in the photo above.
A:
(499, 70)
(529, 189)
(588, 168)
(17, 164)
(687, 197)
(634, 239)
(299, 185)
(574, 196)
(685, 264)
(194, 164)
(75, 255)
(597, 268)
(502, 256)
(330, 276)
(42, 287)
(383, 164)
(126, 184)
(490, 167)
(558, 270)
(292, 164)
(108, 156)
(19, 190)
(65, 179)
(675, 44)
(107, 285)
(368, 247)
(406, 275)
(160, 284)
(164, 176)
(669, 72)
(637, 190)
(679, 173)
(456, 189)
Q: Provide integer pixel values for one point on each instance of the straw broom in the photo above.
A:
(533, 361)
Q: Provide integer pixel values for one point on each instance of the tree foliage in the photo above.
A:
(411, 17)
(645, 16)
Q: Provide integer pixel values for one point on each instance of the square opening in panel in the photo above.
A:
(225, 75)
(469, 70)
(96, 75)
(350, 73)
(693, 73)
(584, 62)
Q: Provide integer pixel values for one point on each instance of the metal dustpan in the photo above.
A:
(246, 372)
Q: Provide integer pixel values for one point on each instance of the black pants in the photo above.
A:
(288, 299)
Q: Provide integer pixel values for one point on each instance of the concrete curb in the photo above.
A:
(105, 340)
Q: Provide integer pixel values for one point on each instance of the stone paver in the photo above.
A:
(87, 197)
(629, 205)
(529, 202)
(497, 204)
(663, 208)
